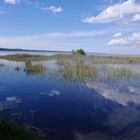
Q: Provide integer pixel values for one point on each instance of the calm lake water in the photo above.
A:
(32, 52)
(106, 107)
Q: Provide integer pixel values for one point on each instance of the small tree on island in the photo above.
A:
(79, 52)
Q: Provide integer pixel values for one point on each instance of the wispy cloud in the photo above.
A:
(53, 9)
(114, 13)
(51, 40)
(10, 1)
(117, 35)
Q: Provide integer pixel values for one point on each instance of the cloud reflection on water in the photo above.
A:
(114, 94)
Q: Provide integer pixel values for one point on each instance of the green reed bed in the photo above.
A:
(77, 71)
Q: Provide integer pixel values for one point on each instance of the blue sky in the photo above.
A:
(110, 26)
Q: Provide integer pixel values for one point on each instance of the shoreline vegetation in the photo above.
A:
(79, 68)
(90, 58)
(75, 67)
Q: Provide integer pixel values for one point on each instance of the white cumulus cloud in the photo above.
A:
(114, 12)
(117, 42)
(53, 9)
(133, 40)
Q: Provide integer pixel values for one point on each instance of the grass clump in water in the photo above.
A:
(78, 71)
(30, 68)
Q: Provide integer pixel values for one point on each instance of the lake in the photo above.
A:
(31, 52)
(102, 103)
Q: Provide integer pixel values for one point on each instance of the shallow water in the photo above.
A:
(104, 107)
(32, 52)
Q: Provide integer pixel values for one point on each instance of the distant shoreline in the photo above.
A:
(19, 51)
(26, 50)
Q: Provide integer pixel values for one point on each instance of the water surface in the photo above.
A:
(103, 107)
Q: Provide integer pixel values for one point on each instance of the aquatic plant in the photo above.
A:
(78, 71)
(37, 68)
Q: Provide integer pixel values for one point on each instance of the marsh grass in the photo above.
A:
(93, 59)
(24, 57)
(75, 66)
(30, 57)
(113, 59)
(79, 67)
(78, 71)
(121, 73)
(37, 68)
